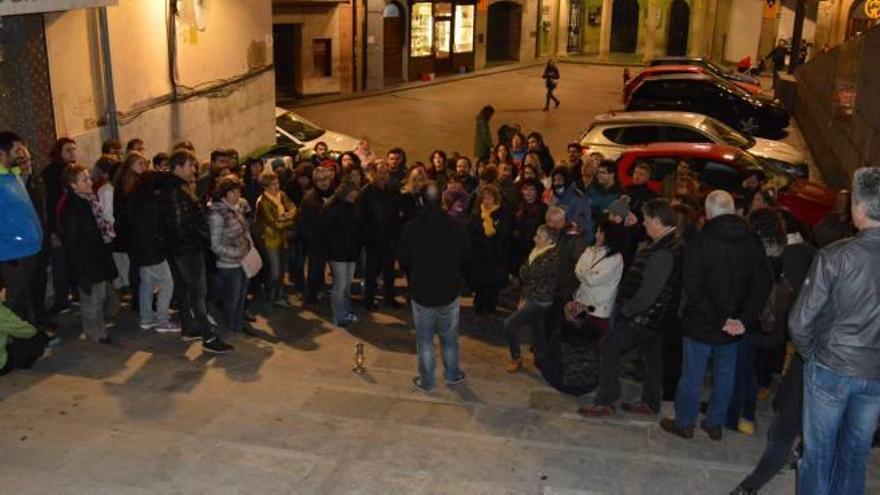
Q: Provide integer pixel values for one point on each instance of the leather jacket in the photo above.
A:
(836, 319)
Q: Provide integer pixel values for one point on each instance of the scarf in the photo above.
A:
(276, 200)
(104, 225)
(536, 252)
(488, 221)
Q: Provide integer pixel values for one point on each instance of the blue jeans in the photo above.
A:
(693, 368)
(745, 388)
(531, 314)
(443, 321)
(233, 287)
(277, 261)
(840, 414)
(157, 277)
(340, 298)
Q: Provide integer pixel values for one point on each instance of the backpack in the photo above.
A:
(774, 317)
(571, 364)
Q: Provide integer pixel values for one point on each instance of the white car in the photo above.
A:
(610, 133)
(293, 128)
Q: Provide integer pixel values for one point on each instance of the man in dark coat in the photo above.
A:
(639, 193)
(184, 225)
(433, 249)
(380, 213)
(727, 282)
(306, 229)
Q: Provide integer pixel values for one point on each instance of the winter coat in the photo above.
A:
(380, 216)
(483, 140)
(432, 250)
(305, 227)
(649, 294)
(539, 276)
(571, 246)
(601, 198)
(230, 238)
(726, 276)
(599, 276)
(526, 223)
(89, 260)
(577, 209)
(638, 196)
(488, 264)
(340, 229)
(273, 231)
(145, 243)
(12, 327)
(183, 219)
(550, 76)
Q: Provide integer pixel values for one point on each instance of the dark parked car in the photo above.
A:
(719, 70)
(748, 113)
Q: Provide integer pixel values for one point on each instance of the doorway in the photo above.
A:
(574, 27)
(679, 25)
(625, 26)
(288, 44)
(503, 32)
(394, 23)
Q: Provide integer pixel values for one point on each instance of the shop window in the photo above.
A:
(322, 57)
(442, 30)
(464, 29)
(422, 29)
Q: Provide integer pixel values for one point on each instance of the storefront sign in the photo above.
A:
(14, 7)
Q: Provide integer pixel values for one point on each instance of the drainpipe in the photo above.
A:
(354, 48)
(112, 120)
(797, 34)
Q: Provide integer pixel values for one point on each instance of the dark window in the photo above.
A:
(613, 134)
(675, 134)
(639, 134)
(717, 175)
(322, 55)
(660, 166)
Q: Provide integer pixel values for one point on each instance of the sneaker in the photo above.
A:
(216, 346)
(351, 317)
(597, 411)
(515, 365)
(147, 326)
(167, 327)
(417, 383)
(638, 408)
(668, 425)
(211, 320)
(457, 381)
(714, 432)
(745, 427)
(190, 336)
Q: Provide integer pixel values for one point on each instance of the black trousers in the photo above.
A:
(784, 429)
(550, 96)
(316, 284)
(486, 297)
(191, 286)
(19, 277)
(23, 353)
(620, 339)
(380, 262)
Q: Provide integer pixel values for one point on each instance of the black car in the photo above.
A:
(708, 65)
(700, 93)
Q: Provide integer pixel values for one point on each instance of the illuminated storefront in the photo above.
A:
(441, 38)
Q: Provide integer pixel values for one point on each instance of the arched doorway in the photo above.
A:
(624, 26)
(394, 23)
(679, 25)
(504, 32)
(859, 21)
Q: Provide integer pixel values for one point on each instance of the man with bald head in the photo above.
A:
(727, 280)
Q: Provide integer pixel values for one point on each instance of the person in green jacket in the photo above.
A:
(483, 141)
(20, 343)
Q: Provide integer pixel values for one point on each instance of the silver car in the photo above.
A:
(610, 133)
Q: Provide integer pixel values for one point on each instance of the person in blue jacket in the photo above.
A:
(568, 196)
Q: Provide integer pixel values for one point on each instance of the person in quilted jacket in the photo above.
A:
(230, 242)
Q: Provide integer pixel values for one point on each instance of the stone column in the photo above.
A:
(650, 30)
(605, 30)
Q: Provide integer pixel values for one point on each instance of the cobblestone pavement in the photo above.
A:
(285, 414)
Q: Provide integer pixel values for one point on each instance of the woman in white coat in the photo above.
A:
(599, 270)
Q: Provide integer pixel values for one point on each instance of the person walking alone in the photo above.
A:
(835, 326)
(433, 249)
(551, 79)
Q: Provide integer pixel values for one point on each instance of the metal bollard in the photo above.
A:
(359, 359)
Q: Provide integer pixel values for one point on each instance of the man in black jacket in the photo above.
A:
(380, 214)
(184, 226)
(306, 229)
(638, 192)
(647, 299)
(835, 326)
(727, 281)
(433, 250)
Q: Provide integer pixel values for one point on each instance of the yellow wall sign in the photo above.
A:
(872, 9)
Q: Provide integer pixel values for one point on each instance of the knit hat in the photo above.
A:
(619, 207)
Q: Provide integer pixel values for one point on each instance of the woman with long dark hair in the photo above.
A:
(599, 270)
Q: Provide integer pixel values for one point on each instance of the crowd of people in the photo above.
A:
(680, 274)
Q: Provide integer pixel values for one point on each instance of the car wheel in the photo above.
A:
(749, 125)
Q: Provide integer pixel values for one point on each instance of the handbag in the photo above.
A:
(252, 262)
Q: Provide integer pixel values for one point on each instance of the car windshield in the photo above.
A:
(728, 135)
(775, 178)
(301, 129)
(717, 68)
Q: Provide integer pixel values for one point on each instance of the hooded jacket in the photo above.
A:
(726, 275)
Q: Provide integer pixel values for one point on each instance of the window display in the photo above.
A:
(422, 29)
(442, 30)
(464, 29)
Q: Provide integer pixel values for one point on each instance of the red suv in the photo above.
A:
(725, 167)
